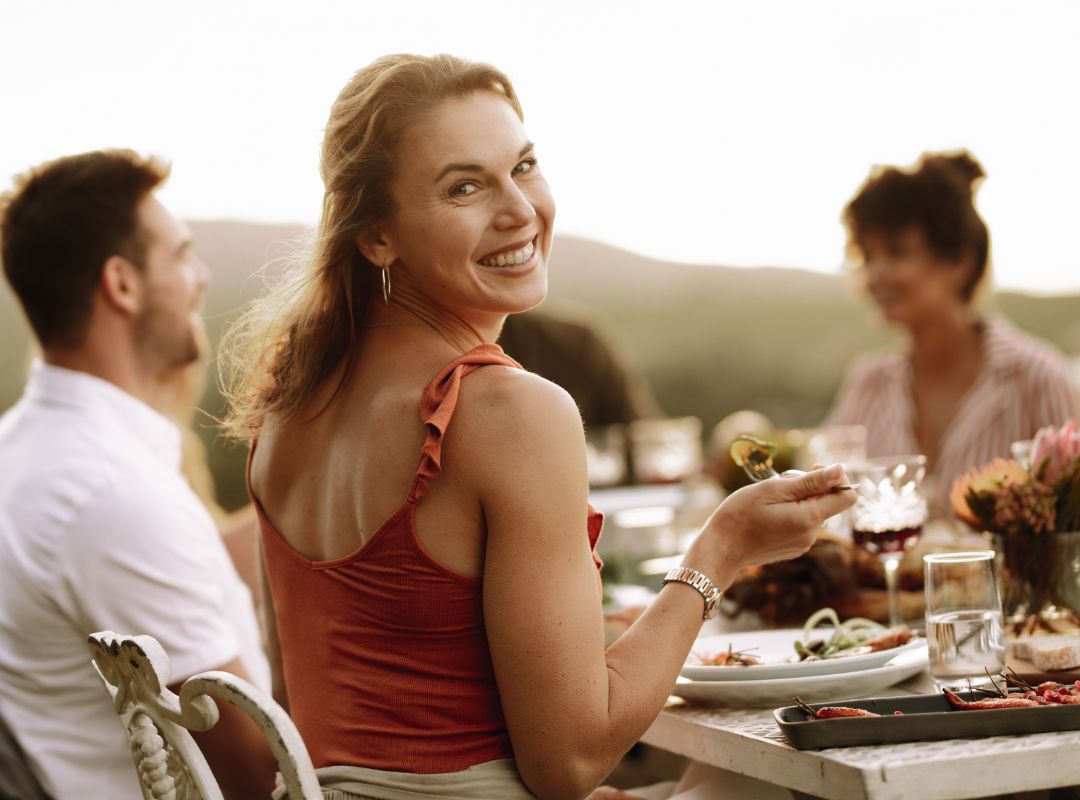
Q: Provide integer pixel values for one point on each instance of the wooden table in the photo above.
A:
(748, 741)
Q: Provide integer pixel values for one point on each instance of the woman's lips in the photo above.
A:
(510, 258)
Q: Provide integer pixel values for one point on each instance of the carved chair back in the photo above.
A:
(136, 672)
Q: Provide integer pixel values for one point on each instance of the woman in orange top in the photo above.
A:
(423, 501)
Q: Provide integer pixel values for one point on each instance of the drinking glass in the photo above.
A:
(963, 619)
(665, 450)
(843, 444)
(605, 450)
(888, 514)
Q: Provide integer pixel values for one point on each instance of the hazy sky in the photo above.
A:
(713, 132)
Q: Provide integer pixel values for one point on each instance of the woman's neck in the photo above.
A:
(411, 308)
(941, 343)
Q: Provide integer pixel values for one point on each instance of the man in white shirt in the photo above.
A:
(98, 528)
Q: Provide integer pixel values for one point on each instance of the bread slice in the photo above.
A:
(1018, 648)
(1049, 653)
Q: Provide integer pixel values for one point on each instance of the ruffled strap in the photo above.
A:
(595, 524)
(437, 405)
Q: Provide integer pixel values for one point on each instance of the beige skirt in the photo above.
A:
(491, 780)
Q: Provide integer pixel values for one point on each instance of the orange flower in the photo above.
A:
(981, 483)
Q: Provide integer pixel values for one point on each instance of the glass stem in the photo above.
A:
(891, 563)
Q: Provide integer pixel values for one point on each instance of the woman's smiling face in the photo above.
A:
(907, 279)
(473, 220)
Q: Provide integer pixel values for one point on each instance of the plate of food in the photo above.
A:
(841, 647)
(811, 688)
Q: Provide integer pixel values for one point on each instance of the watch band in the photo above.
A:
(701, 582)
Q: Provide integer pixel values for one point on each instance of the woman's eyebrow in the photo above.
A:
(457, 168)
(463, 167)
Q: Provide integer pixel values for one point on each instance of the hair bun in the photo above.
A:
(960, 164)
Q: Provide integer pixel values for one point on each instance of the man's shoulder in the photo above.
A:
(59, 472)
(48, 447)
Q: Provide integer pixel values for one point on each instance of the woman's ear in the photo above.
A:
(121, 285)
(375, 246)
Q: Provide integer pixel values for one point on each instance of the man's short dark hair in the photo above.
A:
(60, 224)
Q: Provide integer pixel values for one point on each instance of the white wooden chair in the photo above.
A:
(136, 671)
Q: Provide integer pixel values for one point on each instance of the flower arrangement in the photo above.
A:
(1043, 497)
(1025, 507)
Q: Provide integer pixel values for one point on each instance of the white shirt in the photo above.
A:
(100, 531)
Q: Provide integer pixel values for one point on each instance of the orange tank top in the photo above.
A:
(384, 651)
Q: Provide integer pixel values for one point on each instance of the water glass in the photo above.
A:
(963, 619)
(605, 450)
(665, 450)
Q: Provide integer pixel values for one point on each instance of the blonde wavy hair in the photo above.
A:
(287, 343)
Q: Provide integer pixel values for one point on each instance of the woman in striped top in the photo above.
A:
(967, 384)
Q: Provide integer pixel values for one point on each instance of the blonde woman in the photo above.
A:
(429, 546)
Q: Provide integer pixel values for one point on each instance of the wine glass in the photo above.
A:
(888, 514)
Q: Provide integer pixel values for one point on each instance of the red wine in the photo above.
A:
(890, 541)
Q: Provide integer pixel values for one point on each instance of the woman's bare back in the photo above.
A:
(330, 478)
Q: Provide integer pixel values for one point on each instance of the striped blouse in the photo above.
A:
(1023, 385)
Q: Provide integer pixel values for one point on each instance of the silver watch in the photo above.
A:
(701, 582)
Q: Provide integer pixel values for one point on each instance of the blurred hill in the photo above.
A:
(710, 339)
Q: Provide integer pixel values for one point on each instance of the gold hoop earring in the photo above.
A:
(386, 283)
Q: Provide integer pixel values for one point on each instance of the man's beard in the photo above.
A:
(166, 349)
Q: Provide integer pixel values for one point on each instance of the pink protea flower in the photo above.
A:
(1054, 453)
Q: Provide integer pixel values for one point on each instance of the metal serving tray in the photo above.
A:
(925, 717)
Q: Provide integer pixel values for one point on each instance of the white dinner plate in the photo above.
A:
(774, 646)
(812, 688)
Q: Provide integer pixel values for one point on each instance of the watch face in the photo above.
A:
(712, 609)
(712, 604)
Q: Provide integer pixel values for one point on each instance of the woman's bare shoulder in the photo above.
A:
(510, 412)
(506, 396)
